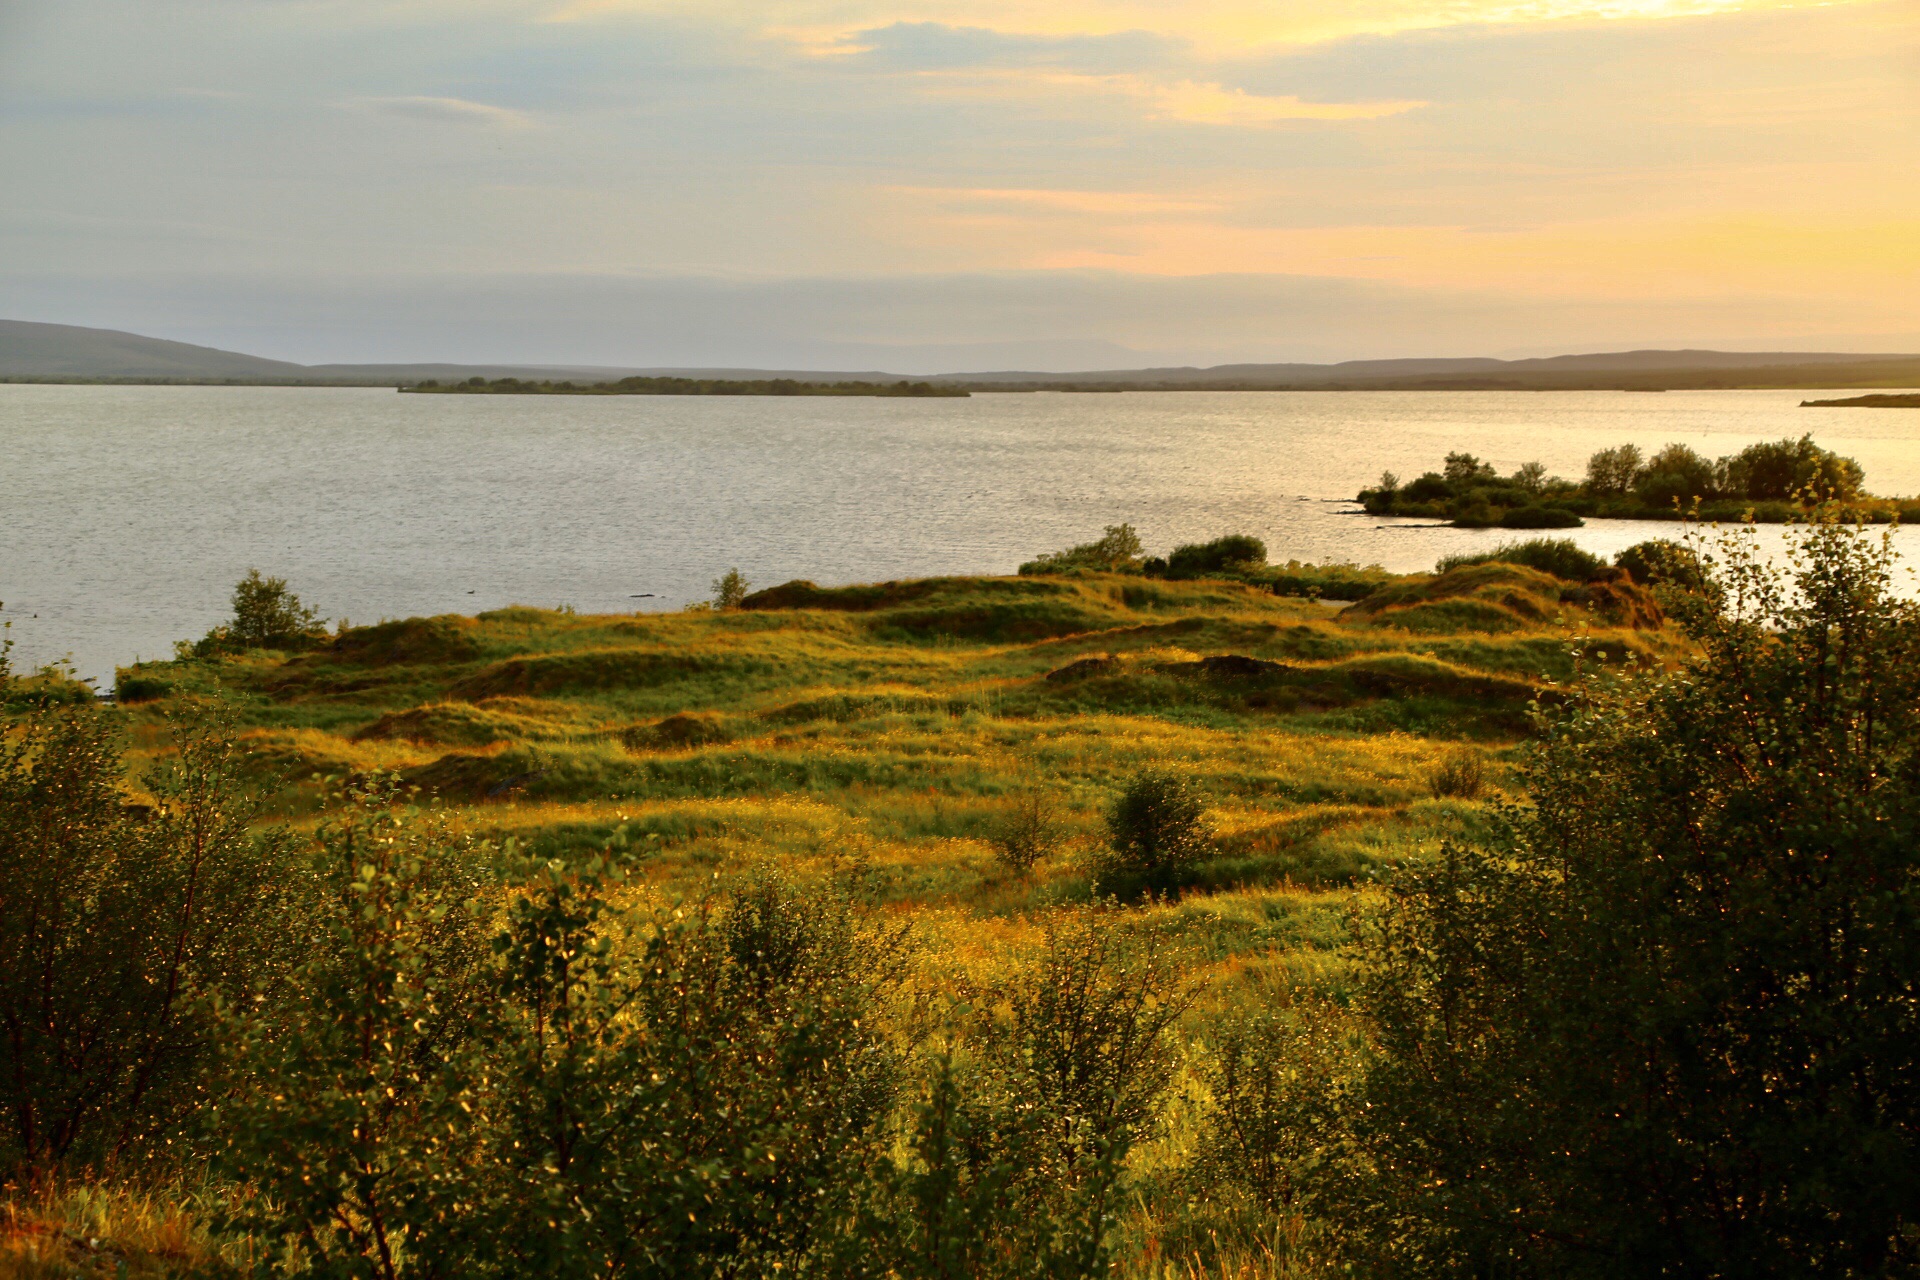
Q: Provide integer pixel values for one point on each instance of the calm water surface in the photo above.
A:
(130, 511)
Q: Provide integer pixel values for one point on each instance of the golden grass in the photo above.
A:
(882, 734)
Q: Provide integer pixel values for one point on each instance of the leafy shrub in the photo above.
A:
(685, 1092)
(1676, 475)
(1462, 775)
(1327, 581)
(1431, 487)
(1118, 550)
(118, 938)
(1027, 833)
(1464, 470)
(1016, 1157)
(1157, 831)
(1531, 478)
(355, 1134)
(1200, 559)
(1788, 469)
(1662, 562)
(53, 685)
(1664, 1025)
(1536, 517)
(1560, 557)
(1274, 1077)
(131, 688)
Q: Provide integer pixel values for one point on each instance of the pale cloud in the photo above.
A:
(1219, 27)
(1149, 97)
(1126, 203)
(1196, 103)
(443, 111)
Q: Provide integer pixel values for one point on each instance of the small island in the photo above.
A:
(1770, 482)
(666, 386)
(1905, 400)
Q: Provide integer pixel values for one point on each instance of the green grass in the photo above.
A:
(904, 718)
(888, 730)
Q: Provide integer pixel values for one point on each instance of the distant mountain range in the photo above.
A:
(33, 352)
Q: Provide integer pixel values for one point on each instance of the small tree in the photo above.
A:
(1531, 476)
(1613, 471)
(1676, 474)
(268, 616)
(1463, 469)
(1028, 833)
(729, 589)
(1158, 832)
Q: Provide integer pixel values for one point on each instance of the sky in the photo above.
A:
(934, 185)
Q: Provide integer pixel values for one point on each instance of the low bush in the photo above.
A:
(1222, 555)
(1535, 517)
(1560, 557)
(1117, 551)
(1017, 1144)
(1326, 581)
(1274, 1076)
(129, 689)
(1462, 775)
(50, 686)
(1663, 563)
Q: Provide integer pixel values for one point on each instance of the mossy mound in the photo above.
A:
(447, 638)
(862, 598)
(990, 610)
(1413, 675)
(846, 708)
(1477, 597)
(456, 724)
(677, 732)
(1227, 666)
(465, 777)
(1103, 664)
(596, 669)
(49, 688)
(1617, 599)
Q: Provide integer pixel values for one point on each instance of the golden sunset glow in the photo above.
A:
(1685, 167)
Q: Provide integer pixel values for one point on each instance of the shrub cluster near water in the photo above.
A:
(1772, 481)
(1237, 556)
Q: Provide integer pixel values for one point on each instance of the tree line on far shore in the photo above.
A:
(1773, 480)
(668, 386)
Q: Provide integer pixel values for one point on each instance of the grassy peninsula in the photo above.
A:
(1149, 916)
(667, 386)
(1910, 400)
(1772, 483)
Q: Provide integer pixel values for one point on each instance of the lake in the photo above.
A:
(130, 511)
